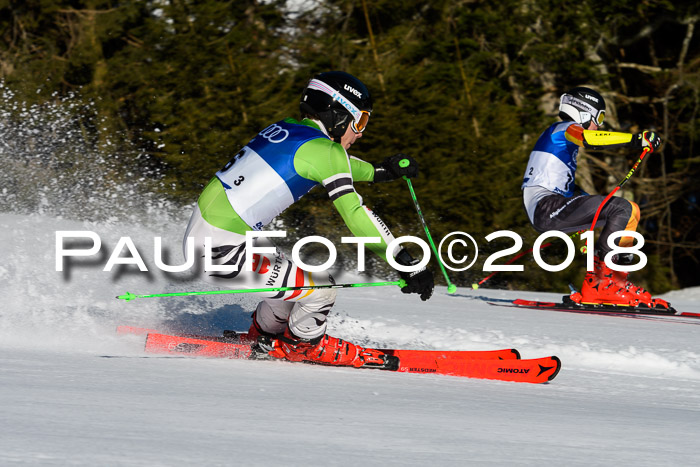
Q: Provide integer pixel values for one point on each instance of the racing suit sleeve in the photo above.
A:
(361, 171)
(326, 162)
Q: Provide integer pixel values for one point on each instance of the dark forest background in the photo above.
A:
(466, 87)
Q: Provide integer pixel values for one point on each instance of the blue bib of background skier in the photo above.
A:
(552, 163)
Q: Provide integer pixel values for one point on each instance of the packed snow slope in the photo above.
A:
(74, 393)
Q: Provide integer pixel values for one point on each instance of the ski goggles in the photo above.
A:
(586, 110)
(359, 117)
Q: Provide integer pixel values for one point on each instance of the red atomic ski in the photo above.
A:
(504, 364)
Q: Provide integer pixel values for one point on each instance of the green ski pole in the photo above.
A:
(130, 296)
(451, 288)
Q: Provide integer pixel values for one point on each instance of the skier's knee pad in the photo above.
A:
(632, 222)
(634, 217)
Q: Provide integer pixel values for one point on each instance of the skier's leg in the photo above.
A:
(271, 317)
(299, 314)
(570, 215)
(573, 214)
(270, 270)
(306, 317)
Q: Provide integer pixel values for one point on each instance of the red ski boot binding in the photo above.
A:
(326, 350)
(603, 286)
(599, 287)
(620, 278)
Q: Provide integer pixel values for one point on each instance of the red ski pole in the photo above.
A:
(624, 180)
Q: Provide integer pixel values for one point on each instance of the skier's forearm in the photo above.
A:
(364, 223)
(362, 171)
(599, 139)
(591, 139)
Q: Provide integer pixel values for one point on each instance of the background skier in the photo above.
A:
(553, 202)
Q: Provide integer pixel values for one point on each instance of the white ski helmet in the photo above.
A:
(582, 105)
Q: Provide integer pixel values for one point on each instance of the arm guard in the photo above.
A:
(594, 139)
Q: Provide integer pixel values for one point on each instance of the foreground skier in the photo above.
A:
(273, 171)
(548, 194)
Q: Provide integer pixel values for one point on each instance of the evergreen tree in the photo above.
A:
(465, 87)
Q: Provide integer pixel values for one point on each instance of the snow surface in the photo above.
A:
(74, 393)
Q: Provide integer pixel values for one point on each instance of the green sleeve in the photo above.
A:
(326, 162)
(362, 222)
(361, 171)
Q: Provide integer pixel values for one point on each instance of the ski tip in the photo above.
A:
(556, 370)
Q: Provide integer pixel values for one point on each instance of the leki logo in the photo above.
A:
(353, 90)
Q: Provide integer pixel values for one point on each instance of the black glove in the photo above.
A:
(646, 139)
(420, 282)
(395, 167)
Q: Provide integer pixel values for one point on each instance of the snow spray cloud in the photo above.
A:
(59, 161)
(62, 171)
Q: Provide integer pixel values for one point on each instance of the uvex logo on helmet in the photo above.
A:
(594, 99)
(347, 87)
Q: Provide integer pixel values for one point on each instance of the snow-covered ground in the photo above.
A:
(74, 393)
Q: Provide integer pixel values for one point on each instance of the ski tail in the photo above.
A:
(121, 330)
(569, 305)
(193, 347)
